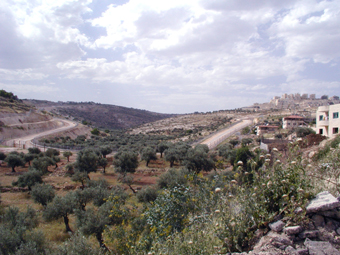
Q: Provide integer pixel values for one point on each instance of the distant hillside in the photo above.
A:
(10, 106)
(100, 115)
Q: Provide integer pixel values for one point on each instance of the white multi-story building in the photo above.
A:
(327, 120)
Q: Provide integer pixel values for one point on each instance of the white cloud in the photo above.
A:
(311, 30)
(27, 89)
(21, 74)
(199, 50)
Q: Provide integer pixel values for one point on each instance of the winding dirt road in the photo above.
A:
(222, 135)
(25, 142)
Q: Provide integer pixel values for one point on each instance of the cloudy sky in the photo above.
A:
(175, 56)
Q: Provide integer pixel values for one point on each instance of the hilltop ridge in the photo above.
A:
(99, 115)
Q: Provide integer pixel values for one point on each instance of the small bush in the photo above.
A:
(172, 178)
(42, 194)
(147, 195)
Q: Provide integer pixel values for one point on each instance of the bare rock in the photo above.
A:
(335, 214)
(311, 154)
(338, 231)
(309, 234)
(302, 252)
(322, 202)
(273, 243)
(277, 226)
(320, 248)
(332, 225)
(319, 220)
(290, 250)
(298, 210)
(293, 230)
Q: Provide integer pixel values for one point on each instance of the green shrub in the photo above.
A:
(303, 131)
(29, 179)
(172, 178)
(42, 193)
(147, 195)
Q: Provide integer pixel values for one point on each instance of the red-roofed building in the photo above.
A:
(292, 121)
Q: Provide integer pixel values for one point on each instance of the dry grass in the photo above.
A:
(55, 231)
(6, 176)
(19, 199)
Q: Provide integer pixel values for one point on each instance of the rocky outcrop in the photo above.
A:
(319, 235)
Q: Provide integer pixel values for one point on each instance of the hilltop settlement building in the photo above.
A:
(327, 120)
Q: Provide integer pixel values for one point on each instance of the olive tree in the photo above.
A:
(17, 235)
(148, 154)
(29, 157)
(198, 159)
(103, 163)
(94, 222)
(52, 152)
(81, 177)
(42, 194)
(60, 207)
(43, 163)
(126, 162)
(87, 160)
(171, 155)
(67, 154)
(34, 150)
(29, 179)
(162, 147)
(14, 160)
(2, 156)
(105, 150)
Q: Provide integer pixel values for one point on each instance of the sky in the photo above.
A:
(177, 56)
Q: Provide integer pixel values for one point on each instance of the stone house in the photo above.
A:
(293, 121)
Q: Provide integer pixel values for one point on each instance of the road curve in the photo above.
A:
(25, 142)
(222, 135)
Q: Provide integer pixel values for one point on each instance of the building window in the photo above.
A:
(335, 115)
(335, 130)
(320, 131)
(321, 117)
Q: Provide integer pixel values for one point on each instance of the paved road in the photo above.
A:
(222, 135)
(25, 142)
